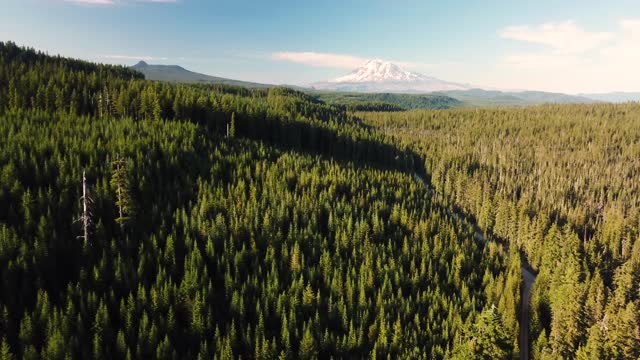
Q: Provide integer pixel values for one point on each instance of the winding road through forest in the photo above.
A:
(527, 278)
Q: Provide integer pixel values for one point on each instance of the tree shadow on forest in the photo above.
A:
(359, 148)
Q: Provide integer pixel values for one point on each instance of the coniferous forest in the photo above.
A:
(144, 220)
(559, 183)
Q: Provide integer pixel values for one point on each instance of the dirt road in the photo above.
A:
(527, 277)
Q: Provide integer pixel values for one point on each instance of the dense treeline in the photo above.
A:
(560, 184)
(402, 101)
(372, 106)
(225, 222)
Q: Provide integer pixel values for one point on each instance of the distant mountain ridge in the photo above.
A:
(175, 73)
(614, 97)
(480, 97)
(377, 77)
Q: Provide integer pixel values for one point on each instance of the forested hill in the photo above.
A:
(223, 222)
(178, 74)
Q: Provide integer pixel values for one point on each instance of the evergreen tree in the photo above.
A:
(121, 184)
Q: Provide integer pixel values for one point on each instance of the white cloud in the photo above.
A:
(335, 61)
(632, 26)
(574, 59)
(563, 37)
(541, 61)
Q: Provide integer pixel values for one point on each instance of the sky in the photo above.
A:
(571, 46)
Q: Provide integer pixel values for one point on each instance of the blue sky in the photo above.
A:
(570, 46)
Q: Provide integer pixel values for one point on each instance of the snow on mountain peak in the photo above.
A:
(382, 76)
(377, 70)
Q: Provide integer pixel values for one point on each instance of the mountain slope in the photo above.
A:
(382, 76)
(175, 73)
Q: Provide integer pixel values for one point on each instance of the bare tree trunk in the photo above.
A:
(84, 207)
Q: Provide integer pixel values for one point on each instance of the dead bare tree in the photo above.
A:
(85, 218)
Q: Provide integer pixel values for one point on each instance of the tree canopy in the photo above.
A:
(304, 234)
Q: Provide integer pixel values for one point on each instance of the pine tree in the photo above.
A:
(121, 184)
(295, 258)
(156, 109)
(487, 339)
(232, 125)
(594, 348)
(308, 348)
(397, 334)
(5, 351)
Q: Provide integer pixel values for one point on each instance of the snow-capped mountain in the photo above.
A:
(378, 70)
(383, 76)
